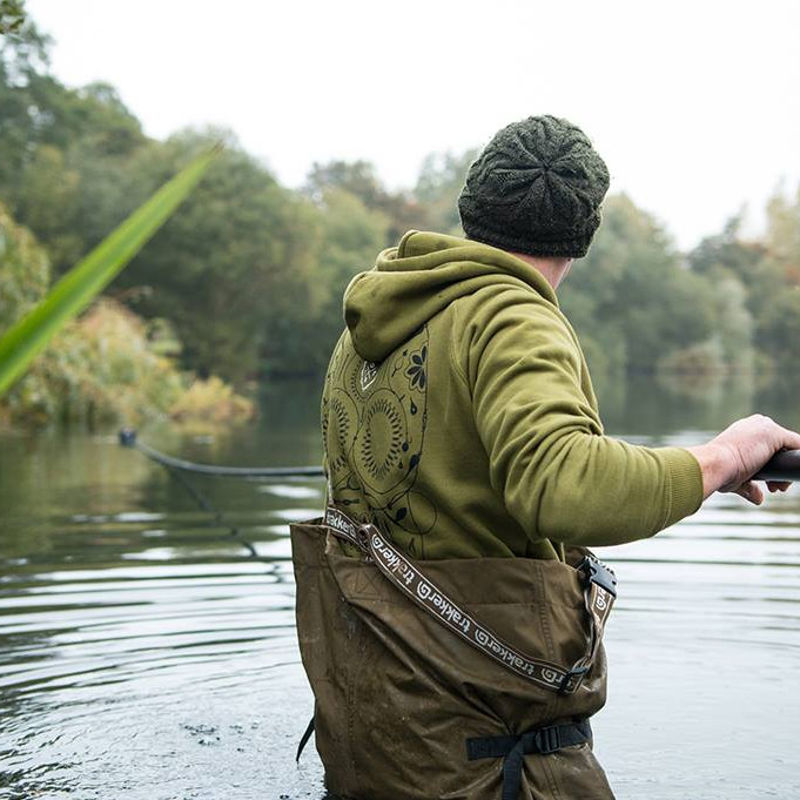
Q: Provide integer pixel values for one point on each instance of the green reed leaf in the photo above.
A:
(21, 343)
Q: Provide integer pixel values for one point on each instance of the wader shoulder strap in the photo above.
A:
(599, 594)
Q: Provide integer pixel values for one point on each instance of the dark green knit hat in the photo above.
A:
(536, 188)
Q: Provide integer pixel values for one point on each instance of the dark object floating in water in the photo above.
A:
(177, 466)
(127, 438)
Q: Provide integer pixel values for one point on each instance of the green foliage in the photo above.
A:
(55, 142)
(47, 200)
(350, 235)
(726, 254)
(20, 344)
(631, 299)
(24, 271)
(402, 209)
(246, 279)
(12, 15)
(703, 358)
(775, 290)
(229, 262)
(757, 287)
(779, 329)
(210, 401)
(107, 365)
(438, 186)
(98, 369)
(103, 368)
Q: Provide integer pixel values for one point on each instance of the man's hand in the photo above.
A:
(730, 460)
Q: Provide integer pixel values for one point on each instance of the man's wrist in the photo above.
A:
(714, 460)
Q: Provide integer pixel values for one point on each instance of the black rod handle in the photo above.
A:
(783, 466)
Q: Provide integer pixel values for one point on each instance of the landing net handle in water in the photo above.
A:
(127, 438)
(783, 466)
(177, 467)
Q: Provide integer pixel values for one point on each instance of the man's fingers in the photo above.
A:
(791, 439)
(778, 486)
(752, 492)
(730, 460)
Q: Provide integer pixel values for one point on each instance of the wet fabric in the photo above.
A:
(412, 580)
(397, 697)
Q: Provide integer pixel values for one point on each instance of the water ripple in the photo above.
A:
(148, 655)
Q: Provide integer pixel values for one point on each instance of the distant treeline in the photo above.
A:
(245, 281)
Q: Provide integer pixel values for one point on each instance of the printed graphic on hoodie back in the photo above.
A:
(373, 421)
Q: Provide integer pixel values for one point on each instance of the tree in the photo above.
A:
(757, 283)
(225, 264)
(438, 186)
(631, 298)
(47, 200)
(49, 137)
(351, 236)
(24, 270)
(775, 292)
(729, 264)
(402, 209)
(12, 16)
(726, 254)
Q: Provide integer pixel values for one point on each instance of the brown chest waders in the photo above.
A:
(456, 679)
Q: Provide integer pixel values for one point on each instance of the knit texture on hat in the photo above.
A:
(536, 188)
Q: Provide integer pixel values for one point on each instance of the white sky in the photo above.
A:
(695, 106)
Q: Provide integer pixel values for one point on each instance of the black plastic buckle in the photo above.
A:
(575, 672)
(127, 437)
(547, 740)
(597, 572)
(363, 536)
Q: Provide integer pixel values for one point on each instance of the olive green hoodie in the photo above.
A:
(459, 416)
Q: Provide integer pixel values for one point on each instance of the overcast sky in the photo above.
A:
(695, 106)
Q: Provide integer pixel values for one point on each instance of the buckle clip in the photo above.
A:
(597, 572)
(364, 534)
(575, 672)
(547, 740)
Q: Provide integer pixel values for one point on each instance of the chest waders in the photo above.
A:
(456, 679)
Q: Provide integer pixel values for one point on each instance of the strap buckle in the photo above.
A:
(576, 672)
(363, 534)
(598, 573)
(547, 740)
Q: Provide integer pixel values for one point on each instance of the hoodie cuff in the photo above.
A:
(684, 484)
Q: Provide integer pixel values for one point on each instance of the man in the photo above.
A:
(453, 639)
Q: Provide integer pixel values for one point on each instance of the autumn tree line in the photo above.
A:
(245, 281)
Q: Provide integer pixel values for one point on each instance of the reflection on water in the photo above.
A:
(144, 653)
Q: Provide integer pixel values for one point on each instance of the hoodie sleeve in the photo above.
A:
(559, 476)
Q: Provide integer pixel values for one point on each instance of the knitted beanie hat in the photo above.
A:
(536, 188)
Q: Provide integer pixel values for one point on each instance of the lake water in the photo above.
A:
(145, 654)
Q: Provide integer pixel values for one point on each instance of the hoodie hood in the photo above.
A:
(414, 281)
